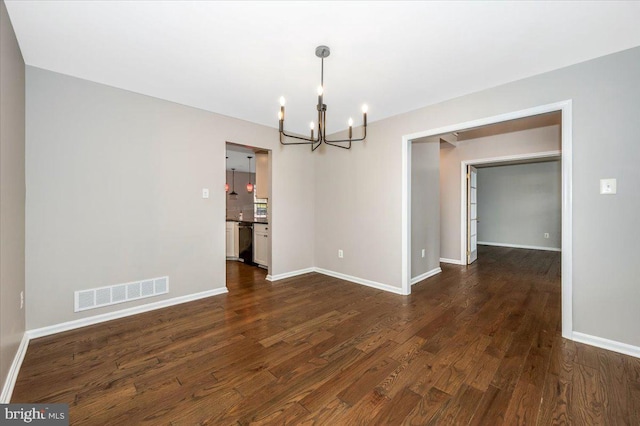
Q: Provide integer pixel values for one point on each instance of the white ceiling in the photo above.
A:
(517, 125)
(237, 158)
(238, 58)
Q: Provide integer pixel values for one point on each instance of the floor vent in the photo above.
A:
(119, 293)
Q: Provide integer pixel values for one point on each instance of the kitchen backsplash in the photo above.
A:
(234, 212)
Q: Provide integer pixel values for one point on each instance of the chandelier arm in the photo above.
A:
(344, 140)
(308, 140)
(364, 136)
(339, 146)
(320, 139)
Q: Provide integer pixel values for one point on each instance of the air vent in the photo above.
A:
(119, 293)
(147, 288)
(162, 285)
(85, 300)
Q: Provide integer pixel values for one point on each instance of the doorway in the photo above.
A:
(470, 215)
(248, 200)
(565, 108)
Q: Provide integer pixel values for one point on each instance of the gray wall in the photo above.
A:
(425, 207)
(542, 139)
(517, 204)
(114, 184)
(12, 193)
(605, 94)
(357, 198)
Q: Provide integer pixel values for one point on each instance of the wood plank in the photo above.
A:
(368, 379)
(459, 409)
(332, 413)
(461, 362)
(372, 363)
(613, 373)
(365, 409)
(556, 402)
(481, 378)
(395, 411)
(492, 407)
(523, 407)
(307, 325)
(427, 407)
(632, 372)
(589, 389)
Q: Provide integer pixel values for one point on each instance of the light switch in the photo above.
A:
(608, 186)
(205, 192)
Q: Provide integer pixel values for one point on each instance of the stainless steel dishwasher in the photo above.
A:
(245, 230)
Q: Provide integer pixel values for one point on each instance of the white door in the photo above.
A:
(472, 214)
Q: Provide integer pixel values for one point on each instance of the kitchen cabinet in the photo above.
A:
(232, 240)
(261, 244)
(262, 175)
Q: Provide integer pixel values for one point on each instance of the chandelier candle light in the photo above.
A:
(321, 52)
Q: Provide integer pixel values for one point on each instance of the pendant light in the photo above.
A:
(226, 185)
(249, 185)
(233, 195)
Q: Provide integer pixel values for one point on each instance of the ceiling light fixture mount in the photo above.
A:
(315, 142)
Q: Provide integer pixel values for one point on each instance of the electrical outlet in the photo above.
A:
(205, 192)
(21, 299)
(546, 235)
(423, 252)
(340, 254)
(608, 186)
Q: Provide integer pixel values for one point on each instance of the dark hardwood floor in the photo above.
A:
(474, 345)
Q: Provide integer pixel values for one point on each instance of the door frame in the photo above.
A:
(565, 107)
(269, 151)
(463, 188)
(468, 186)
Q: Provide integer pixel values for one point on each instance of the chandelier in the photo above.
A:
(321, 52)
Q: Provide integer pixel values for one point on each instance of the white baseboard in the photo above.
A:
(520, 246)
(96, 319)
(290, 274)
(357, 280)
(452, 261)
(368, 283)
(416, 280)
(12, 375)
(607, 344)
